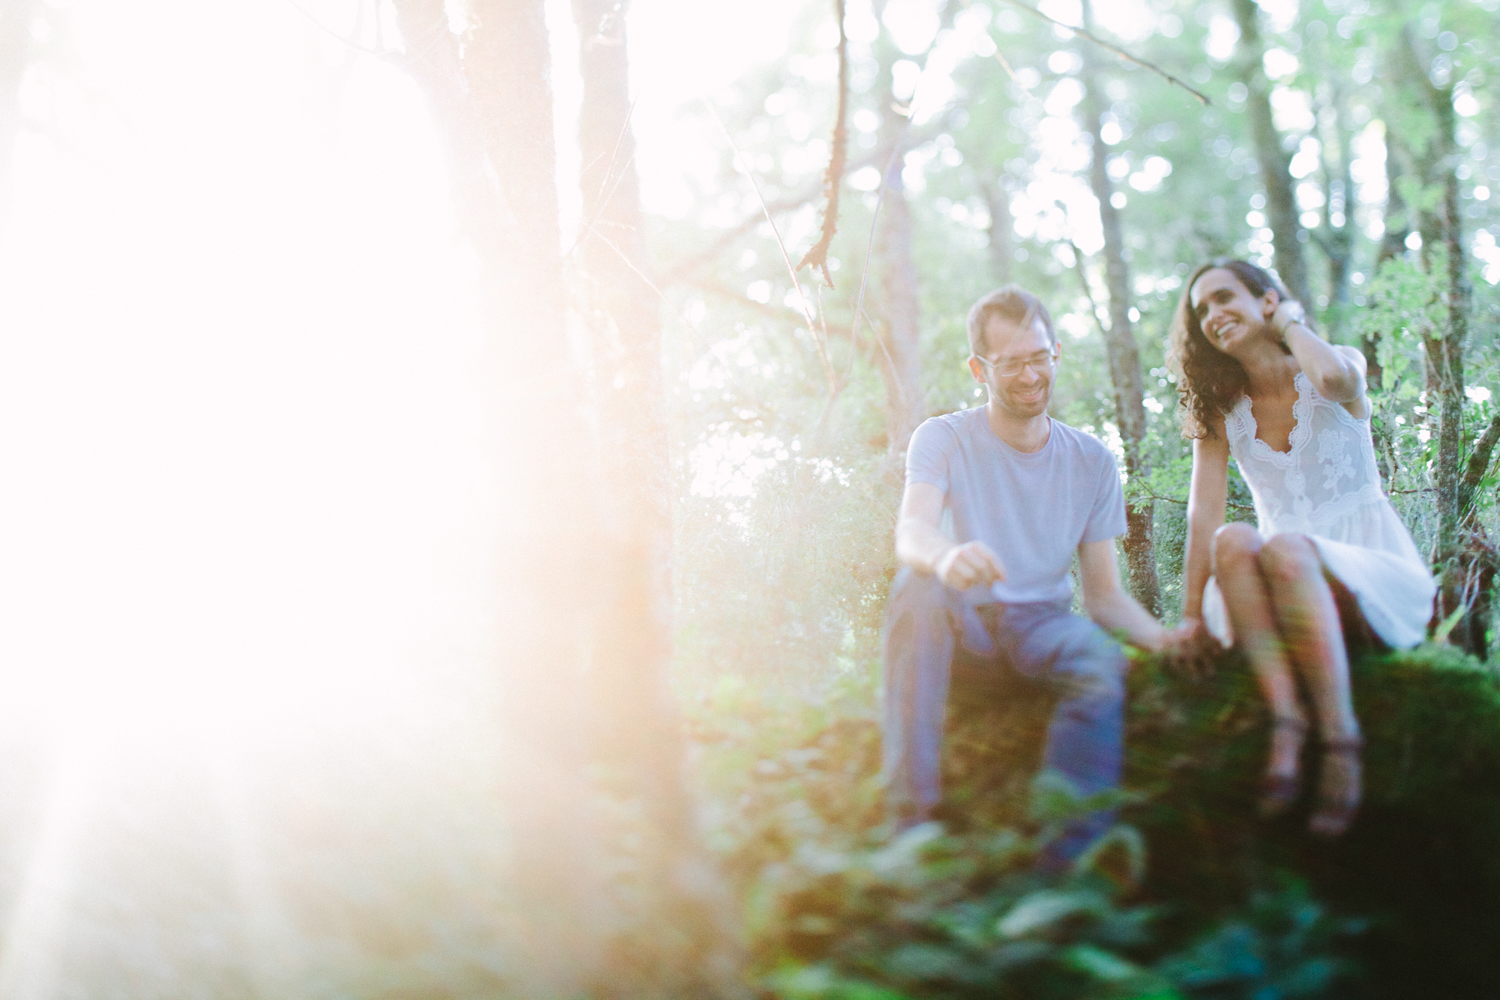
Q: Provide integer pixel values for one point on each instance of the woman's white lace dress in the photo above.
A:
(1327, 486)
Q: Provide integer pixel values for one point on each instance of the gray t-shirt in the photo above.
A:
(1032, 510)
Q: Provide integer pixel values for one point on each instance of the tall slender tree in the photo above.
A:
(1119, 338)
(634, 720)
(1335, 236)
(1275, 165)
(1001, 229)
(1464, 558)
(898, 321)
(572, 579)
(491, 97)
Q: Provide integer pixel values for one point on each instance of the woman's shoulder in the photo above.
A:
(1237, 410)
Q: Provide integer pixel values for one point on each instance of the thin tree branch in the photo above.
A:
(1083, 279)
(378, 53)
(1000, 57)
(1479, 460)
(801, 295)
(1128, 57)
(1147, 491)
(834, 178)
(611, 183)
(1474, 470)
(920, 136)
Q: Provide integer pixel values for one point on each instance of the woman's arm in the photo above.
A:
(1338, 373)
(1206, 500)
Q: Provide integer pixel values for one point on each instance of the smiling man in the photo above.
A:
(997, 501)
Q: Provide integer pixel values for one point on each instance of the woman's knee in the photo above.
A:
(1290, 557)
(1235, 544)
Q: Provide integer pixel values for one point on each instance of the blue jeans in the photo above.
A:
(925, 622)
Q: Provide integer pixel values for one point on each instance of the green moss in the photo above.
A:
(1421, 859)
(1403, 905)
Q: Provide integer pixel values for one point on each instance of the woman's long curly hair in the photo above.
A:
(1210, 382)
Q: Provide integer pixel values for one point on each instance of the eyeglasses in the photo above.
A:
(1042, 364)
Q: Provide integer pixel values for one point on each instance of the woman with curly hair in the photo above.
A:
(1328, 560)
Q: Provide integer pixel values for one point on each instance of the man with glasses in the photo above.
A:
(998, 499)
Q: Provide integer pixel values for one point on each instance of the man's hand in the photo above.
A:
(1191, 649)
(969, 565)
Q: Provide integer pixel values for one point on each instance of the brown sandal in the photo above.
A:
(1279, 791)
(1338, 806)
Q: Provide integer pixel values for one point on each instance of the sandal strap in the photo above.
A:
(1344, 744)
(1289, 722)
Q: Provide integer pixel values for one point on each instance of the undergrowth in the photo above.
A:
(1190, 896)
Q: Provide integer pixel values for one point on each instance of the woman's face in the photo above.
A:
(1229, 315)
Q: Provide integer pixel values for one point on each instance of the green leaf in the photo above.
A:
(1046, 908)
(1125, 979)
(1447, 625)
(1127, 839)
(822, 982)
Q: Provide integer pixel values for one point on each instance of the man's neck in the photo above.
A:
(1025, 434)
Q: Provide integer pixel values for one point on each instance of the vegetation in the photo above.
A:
(653, 770)
(1190, 896)
(1314, 154)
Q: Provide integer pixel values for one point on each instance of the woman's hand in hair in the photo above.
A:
(1288, 311)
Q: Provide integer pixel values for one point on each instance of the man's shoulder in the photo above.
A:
(956, 419)
(949, 426)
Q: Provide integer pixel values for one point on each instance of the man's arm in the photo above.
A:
(921, 544)
(1108, 604)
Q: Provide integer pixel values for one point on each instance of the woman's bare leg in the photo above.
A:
(1237, 557)
(1308, 618)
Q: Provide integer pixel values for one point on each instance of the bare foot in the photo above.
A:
(1339, 787)
(1282, 782)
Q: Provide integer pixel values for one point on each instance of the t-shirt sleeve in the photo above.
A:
(1107, 518)
(927, 455)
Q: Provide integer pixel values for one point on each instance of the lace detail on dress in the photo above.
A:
(1301, 407)
(1326, 476)
(1336, 460)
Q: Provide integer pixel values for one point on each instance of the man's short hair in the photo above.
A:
(1012, 303)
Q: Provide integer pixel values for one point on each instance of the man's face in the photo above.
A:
(1025, 394)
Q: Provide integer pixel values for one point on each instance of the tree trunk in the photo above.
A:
(1281, 202)
(1337, 239)
(1392, 245)
(491, 95)
(1002, 247)
(899, 321)
(1461, 551)
(1119, 340)
(1397, 221)
(681, 933)
(623, 311)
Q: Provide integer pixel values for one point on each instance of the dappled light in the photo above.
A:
(450, 546)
